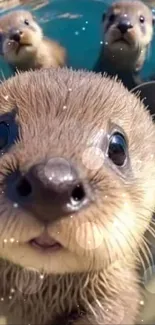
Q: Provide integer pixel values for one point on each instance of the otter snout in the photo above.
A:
(124, 25)
(50, 190)
(15, 35)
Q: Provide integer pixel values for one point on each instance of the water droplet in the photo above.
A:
(76, 33)
(10, 297)
(6, 97)
(2, 299)
(83, 28)
(41, 276)
(15, 205)
(105, 197)
(5, 240)
(17, 241)
(71, 217)
(152, 156)
(64, 107)
(12, 290)
(121, 49)
(12, 240)
(106, 43)
(101, 42)
(86, 21)
(70, 89)
(142, 302)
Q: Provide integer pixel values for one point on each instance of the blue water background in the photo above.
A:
(76, 25)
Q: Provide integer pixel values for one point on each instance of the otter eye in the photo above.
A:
(26, 22)
(117, 149)
(4, 135)
(111, 18)
(141, 19)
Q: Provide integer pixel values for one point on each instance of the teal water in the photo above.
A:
(76, 25)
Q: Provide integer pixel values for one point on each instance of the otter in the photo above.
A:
(128, 32)
(77, 188)
(24, 46)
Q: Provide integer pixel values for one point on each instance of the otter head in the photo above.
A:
(20, 36)
(128, 31)
(77, 177)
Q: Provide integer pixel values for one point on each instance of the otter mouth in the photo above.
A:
(21, 46)
(45, 243)
(122, 40)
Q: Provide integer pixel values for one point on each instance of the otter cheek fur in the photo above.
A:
(24, 46)
(77, 180)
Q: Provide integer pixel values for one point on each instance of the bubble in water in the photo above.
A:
(89, 235)
(64, 107)
(83, 28)
(10, 297)
(86, 21)
(12, 290)
(70, 89)
(76, 33)
(2, 299)
(15, 205)
(5, 240)
(93, 158)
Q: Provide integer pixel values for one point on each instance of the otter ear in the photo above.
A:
(146, 93)
(103, 16)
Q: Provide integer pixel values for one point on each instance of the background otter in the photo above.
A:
(128, 32)
(23, 45)
(75, 198)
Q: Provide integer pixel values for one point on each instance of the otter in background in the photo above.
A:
(24, 46)
(128, 32)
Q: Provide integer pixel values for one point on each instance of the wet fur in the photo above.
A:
(79, 286)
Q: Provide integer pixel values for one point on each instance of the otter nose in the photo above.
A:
(15, 35)
(124, 25)
(52, 190)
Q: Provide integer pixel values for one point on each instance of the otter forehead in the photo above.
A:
(14, 18)
(131, 7)
(64, 104)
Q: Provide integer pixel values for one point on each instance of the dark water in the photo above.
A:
(76, 25)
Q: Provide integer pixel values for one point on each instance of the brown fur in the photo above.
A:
(63, 119)
(41, 52)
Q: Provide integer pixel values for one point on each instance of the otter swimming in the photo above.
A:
(128, 32)
(24, 46)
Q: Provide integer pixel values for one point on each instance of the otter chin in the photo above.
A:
(77, 188)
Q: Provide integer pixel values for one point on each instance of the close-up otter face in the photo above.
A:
(128, 27)
(76, 176)
(20, 36)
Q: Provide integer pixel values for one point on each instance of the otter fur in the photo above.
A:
(24, 46)
(127, 36)
(77, 188)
